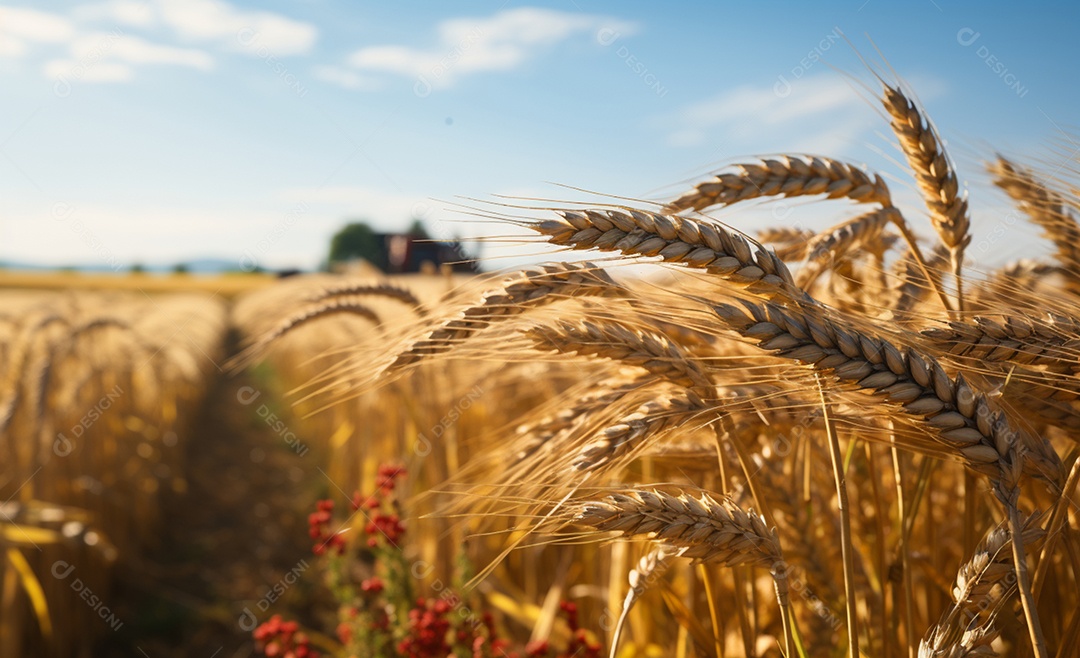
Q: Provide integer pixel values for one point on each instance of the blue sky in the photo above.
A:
(165, 130)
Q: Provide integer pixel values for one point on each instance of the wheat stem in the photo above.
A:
(845, 525)
(1023, 583)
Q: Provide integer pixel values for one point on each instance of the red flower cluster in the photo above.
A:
(380, 523)
(431, 635)
(372, 585)
(431, 629)
(387, 474)
(319, 529)
(280, 639)
(428, 628)
(579, 640)
(387, 526)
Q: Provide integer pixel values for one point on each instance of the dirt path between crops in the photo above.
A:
(234, 544)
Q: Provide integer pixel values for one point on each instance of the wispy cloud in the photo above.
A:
(751, 109)
(132, 13)
(501, 42)
(94, 55)
(212, 21)
(815, 114)
(108, 57)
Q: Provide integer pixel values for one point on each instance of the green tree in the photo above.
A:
(418, 231)
(357, 240)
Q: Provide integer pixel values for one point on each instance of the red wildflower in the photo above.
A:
(276, 638)
(372, 585)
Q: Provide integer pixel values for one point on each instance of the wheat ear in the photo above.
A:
(788, 176)
(1014, 339)
(609, 339)
(835, 243)
(649, 568)
(534, 436)
(693, 243)
(629, 432)
(702, 528)
(959, 416)
(934, 174)
(524, 290)
(1046, 207)
(788, 236)
(982, 585)
(357, 289)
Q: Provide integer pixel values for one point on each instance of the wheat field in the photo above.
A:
(708, 439)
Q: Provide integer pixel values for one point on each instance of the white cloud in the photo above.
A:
(256, 32)
(19, 26)
(11, 47)
(135, 13)
(214, 20)
(469, 45)
(138, 51)
(346, 78)
(33, 25)
(102, 57)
